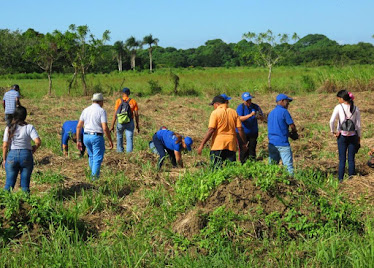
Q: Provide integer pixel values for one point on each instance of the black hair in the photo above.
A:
(15, 87)
(19, 117)
(345, 96)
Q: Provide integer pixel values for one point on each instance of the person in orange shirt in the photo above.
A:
(129, 127)
(222, 127)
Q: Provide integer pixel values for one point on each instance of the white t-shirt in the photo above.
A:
(22, 137)
(92, 117)
(339, 112)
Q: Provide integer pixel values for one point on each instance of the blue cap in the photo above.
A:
(246, 96)
(282, 97)
(225, 97)
(188, 141)
(126, 91)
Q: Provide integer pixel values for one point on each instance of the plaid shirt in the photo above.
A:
(10, 101)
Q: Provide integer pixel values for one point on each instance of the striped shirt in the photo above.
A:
(92, 117)
(10, 101)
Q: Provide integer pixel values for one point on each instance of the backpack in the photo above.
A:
(348, 124)
(124, 113)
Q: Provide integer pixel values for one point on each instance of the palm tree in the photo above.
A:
(119, 49)
(150, 41)
(133, 45)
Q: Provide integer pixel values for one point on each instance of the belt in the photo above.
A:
(93, 133)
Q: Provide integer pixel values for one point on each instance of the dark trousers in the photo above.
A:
(217, 157)
(8, 119)
(161, 151)
(345, 143)
(251, 152)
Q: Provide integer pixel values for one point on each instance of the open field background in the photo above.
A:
(251, 215)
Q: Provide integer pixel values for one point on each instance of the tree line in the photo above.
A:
(78, 51)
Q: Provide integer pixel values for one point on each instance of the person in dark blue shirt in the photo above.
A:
(249, 113)
(69, 130)
(167, 141)
(279, 121)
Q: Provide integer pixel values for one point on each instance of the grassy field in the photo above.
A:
(240, 216)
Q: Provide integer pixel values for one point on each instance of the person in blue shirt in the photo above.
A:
(69, 130)
(249, 113)
(279, 121)
(171, 143)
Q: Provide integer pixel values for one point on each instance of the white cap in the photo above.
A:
(98, 97)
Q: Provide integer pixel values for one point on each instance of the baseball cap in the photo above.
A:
(225, 97)
(282, 97)
(188, 141)
(218, 99)
(246, 96)
(126, 91)
(98, 97)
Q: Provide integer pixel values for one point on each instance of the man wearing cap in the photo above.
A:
(94, 120)
(279, 120)
(10, 102)
(248, 113)
(69, 130)
(129, 127)
(222, 127)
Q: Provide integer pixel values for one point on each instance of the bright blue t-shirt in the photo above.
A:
(278, 121)
(250, 126)
(168, 139)
(69, 128)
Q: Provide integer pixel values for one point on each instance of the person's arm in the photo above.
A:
(335, 113)
(207, 137)
(371, 152)
(136, 115)
(78, 134)
(38, 142)
(65, 149)
(113, 121)
(242, 135)
(178, 158)
(293, 127)
(18, 103)
(245, 117)
(5, 152)
(4, 104)
(107, 134)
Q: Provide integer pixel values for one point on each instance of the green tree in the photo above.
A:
(133, 45)
(120, 51)
(270, 48)
(149, 40)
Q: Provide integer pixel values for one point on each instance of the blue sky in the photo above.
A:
(187, 24)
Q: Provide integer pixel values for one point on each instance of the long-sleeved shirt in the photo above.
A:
(339, 113)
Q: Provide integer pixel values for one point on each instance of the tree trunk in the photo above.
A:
(49, 83)
(72, 80)
(133, 55)
(269, 76)
(83, 76)
(150, 60)
(120, 63)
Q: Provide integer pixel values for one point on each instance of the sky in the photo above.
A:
(189, 24)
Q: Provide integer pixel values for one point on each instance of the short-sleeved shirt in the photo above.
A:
(225, 121)
(133, 104)
(93, 116)
(250, 126)
(168, 139)
(10, 101)
(278, 121)
(69, 128)
(22, 137)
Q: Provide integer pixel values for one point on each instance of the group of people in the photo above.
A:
(228, 130)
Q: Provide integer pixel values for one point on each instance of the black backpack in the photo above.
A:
(348, 124)
(124, 113)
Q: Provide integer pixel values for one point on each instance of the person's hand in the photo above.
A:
(110, 145)
(3, 163)
(137, 127)
(371, 152)
(111, 129)
(200, 150)
(337, 134)
(33, 148)
(79, 145)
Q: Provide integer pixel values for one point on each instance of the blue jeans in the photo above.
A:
(276, 153)
(95, 148)
(347, 143)
(19, 161)
(129, 132)
(162, 151)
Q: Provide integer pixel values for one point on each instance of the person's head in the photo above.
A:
(283, 100)
(19, 117)
(247, 98)
(126, 91)
(187, 142)
(15, 87)
(227, 98)
(98, 98)
(346, 97)
(217, 100)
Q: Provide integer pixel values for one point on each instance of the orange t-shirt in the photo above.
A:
(133, 105)
(224, 120)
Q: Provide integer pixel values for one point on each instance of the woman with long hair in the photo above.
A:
(347, 132)
(19, 159)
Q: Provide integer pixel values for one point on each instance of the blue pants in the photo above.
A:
(19, 161)
(162, 150)
(129, 132)
(276, 153)
(95, 148)
(347, 143)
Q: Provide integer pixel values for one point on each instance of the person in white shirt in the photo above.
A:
(95, 124)
(347, 131)
(19, 159)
